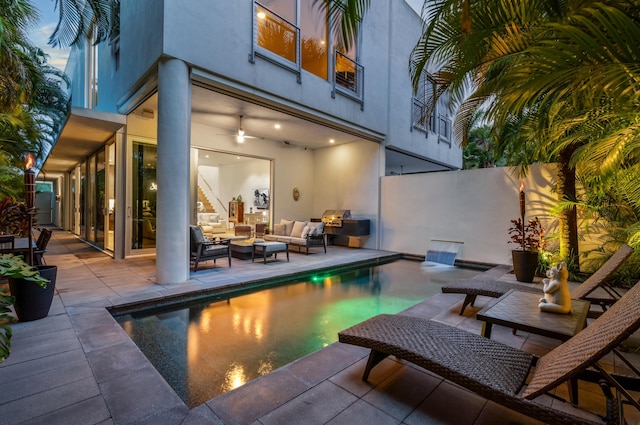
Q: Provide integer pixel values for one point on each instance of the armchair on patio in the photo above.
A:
(203, 249)
(41, 244)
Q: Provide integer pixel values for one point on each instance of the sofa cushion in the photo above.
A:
(318, 228)
(279, 229)
(288, 226)
(305, 232)
(297, 241)
(298, 227)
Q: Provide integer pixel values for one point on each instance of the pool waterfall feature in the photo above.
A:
(443, 251)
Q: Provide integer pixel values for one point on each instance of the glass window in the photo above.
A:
(313, 24)
(423, 106)
(144, 191)
(276, 27)
(280, 25)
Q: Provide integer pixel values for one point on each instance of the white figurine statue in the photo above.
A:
(557, 298)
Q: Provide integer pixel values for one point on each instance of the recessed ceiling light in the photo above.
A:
(277, 126)
(206, 156)
(237, 157)
(331, 141)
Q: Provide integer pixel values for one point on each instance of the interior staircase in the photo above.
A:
(208, 206)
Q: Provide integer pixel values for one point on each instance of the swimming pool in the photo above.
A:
(209, 347)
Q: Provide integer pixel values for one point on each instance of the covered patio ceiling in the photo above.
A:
(84, 133)
(87, 130)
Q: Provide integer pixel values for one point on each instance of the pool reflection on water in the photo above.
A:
(211, 347)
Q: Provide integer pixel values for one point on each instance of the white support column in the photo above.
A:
(174, 139)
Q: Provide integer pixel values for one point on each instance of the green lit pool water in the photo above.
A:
(210, 347)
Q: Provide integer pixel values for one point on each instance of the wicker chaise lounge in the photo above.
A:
(503, 374)
(496, 288)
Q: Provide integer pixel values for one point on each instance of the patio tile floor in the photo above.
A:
(77, 366)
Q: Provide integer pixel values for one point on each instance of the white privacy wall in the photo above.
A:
(470, 206)
(346, 177)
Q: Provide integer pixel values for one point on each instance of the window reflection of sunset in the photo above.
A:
(193, 344)
(234, 378)
(205, 320)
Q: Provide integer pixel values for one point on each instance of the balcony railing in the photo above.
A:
(278, 39)
(421, 118)
(444, 129)
(348, 77)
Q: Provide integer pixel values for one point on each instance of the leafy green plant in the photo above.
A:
(5, 329)
(14, 266)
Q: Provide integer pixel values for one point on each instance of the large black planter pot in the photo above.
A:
(524, 265)
(32, 302)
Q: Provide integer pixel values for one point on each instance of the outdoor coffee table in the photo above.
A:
(241, 249)
(267, 248)
(519, 310)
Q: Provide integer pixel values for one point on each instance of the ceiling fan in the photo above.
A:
(240, 135)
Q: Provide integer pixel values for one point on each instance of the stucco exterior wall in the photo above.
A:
(406, 28)
(347, 177)
(470, 206)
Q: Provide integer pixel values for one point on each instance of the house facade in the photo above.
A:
(194, 104)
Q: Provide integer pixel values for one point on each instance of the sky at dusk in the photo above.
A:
(41, 31)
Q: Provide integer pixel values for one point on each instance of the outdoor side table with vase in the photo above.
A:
(518, 310)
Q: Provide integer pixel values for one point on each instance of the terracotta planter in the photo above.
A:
(524, 265)
(32, 302)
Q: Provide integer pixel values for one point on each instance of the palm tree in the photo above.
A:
(32, 104)
(552, 68)
(79, 19)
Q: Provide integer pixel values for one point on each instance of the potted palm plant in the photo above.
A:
(530, 238)
(31, 287)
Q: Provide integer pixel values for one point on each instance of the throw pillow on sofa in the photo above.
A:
(305, 232)
(288, 226)
(317, 228)
(279, 229)
(298, 227)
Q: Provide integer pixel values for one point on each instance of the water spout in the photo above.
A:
(444, 252)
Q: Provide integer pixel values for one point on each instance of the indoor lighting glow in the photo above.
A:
(240, 139)
(277, 126)
(331, 141)
(262, 15)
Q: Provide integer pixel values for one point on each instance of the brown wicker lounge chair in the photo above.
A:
(496, 288)
(503, 374)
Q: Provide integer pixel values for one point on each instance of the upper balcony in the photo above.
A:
(281, 41)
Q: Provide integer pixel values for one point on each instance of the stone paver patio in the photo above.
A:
(77, 366)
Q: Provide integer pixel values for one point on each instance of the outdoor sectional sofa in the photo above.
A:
(302, 234)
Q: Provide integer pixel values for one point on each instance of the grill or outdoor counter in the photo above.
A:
(335, 218)
(343, 230)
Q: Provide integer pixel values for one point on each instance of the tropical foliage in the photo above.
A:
(558, 80)
(33, 106)
(5, 330)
